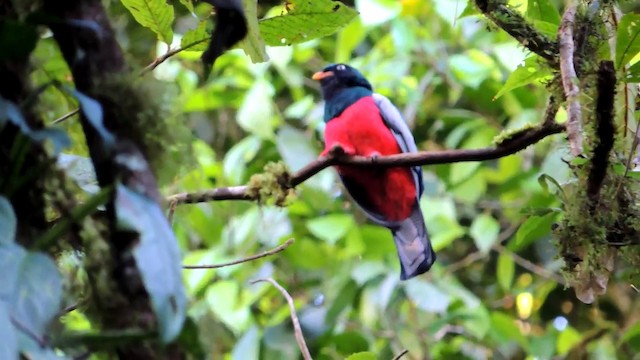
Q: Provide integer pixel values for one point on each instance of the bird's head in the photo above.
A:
(338, 77)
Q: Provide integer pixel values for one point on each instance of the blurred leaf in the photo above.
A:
(256, 114)
(348, 39)
(350, 342)
(306, 20)
(365, 355)
(92, 111)
(189, 339)
(31, 292)
(157, 258)
(427, 296)
(504, 329)
(196, 39)
(345, 298)
(531, 230)
(633, 74)
(330, 228)
(375, 12)
(484, 231)
(532, 70)
(253, 43)
(628, 39)
(631, 337)
(505, 271)
(544, 10)
(80, 170)
(543, 347)
(9, 343)
(567, 339)
(472, 67)
(295, 147)
(237, 158)
(156, 15)
(188, 4)
(248, 347)
(223, 299)
(7, 222)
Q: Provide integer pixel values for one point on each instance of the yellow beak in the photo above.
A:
(321, 75)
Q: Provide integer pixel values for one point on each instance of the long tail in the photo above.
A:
(413, 245)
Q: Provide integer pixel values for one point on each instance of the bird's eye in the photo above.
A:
(340, 67)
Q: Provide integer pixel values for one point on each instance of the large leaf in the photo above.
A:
(156, 15)
(196, 39)
(253, 43)
(38, 293)
(256, 115)
(543, 10)
(157, 257)
(306, 20)
(505, 271)
(427, 296)
(628, 41)
(531, 71)
(9, 343)
(7, 222)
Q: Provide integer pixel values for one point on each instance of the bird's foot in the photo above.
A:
(340, 150)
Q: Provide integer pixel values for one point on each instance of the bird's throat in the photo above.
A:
(340, 100)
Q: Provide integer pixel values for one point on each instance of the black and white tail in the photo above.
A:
(413, 245)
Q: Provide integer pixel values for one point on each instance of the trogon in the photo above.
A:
(364, 123)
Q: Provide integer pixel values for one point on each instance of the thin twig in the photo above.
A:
(65, 116)
(534, 268)
(273, 251)
(294, 318)
(403, 353)
(172, 211)
(570, 79)
(465, 261)
(509, 147)
(154, 64)
(23, 328)
(162, 58)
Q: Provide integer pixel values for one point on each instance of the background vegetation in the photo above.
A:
(90, 263)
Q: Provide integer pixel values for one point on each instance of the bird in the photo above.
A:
(361, 122)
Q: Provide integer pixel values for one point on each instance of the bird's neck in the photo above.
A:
(342, 99)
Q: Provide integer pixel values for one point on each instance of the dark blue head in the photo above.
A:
(342, 86)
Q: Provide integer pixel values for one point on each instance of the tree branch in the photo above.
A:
(401, 354)
(515, 25)
(162, 58)
(273, 251)
(294, 318)
(570, 79)
(534, 268)
(509, 146)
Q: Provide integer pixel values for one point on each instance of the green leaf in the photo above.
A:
(9, 343)
(532, 70)
(484, 231)
(350, 342)
(504, 329)
(505, 271)
(156, 15)
(632, 337)
(365, 355)
(223, 299)
(307, 20)
(375, 12)
(427, 296)
(157, 257)
(633, 74)
(567, 339)
(7, 222)
(531, 230)
(330, 228)
(544, 10)
(196, 39)
(253, 43)
(345, 298)
(628, 41)
(188, 4)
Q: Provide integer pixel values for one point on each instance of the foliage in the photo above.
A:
(500, 286)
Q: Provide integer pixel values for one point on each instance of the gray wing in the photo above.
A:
(394, 121)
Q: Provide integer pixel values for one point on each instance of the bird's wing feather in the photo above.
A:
(394, 121)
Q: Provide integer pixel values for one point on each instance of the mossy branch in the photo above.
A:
(515, 25)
